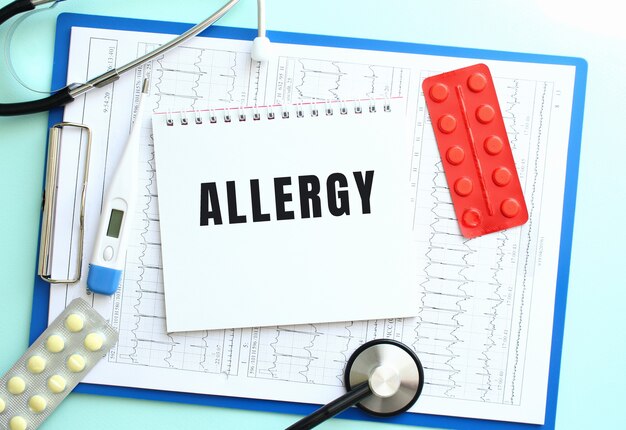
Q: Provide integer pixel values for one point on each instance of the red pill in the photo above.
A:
(471, 218)
(509, 208)
(477, 82)
(493, 145)
(463, 186)
(455, 155)
(438, 92)
(485, 114)
(447, 124)
(501, 176)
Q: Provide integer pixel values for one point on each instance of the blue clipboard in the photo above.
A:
(41, 296)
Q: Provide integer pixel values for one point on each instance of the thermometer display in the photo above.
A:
(115, 223)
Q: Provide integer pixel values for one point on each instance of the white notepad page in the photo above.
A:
(298, 219)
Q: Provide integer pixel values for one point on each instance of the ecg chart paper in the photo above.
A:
(485, 305)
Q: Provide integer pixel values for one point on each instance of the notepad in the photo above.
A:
(284, 215)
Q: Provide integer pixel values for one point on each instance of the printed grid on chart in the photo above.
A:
(473, 298)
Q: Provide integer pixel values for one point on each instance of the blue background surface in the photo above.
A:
(592, 376)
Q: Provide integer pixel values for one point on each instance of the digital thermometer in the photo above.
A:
(109, 254)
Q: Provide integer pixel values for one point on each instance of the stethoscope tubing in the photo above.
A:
(70, 92)
(15, 8)
(351, 398)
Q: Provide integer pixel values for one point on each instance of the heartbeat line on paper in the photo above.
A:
(471, 312)
(305, 79)
(474, 297)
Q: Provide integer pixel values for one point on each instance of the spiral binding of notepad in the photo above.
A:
(270, 112)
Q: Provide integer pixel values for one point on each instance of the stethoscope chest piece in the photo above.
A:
(383, 377)
(394, 372)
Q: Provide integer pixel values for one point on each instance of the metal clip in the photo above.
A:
(49, 205)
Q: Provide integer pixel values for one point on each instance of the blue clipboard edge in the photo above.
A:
(41, 295)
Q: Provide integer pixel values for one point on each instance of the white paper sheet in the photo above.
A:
(485, 306)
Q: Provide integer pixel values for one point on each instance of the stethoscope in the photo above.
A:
(383, 378)
(260, 52)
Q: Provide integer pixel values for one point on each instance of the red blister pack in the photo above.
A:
(475, 150)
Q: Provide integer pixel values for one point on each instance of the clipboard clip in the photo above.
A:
(50, 202)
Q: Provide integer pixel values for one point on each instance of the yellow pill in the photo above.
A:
(16, 385)
(76, 363)
(74, 323)
(37, 404)
(2, 405)
(56, 384)
(94, 341)
(36, 364)
(18, 423)
(55, 343)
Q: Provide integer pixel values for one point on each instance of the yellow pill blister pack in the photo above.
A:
(55, 363)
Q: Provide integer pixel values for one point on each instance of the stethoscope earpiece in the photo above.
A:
(261, 49)
(383, 377)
